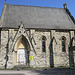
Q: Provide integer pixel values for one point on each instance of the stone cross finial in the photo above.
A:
(5, 2)
(65, 5)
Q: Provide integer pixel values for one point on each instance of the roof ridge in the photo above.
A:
(34, 6)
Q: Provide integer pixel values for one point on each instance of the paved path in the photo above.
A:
(37, 72)
(15, 72)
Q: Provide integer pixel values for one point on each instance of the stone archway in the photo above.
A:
(21, 51)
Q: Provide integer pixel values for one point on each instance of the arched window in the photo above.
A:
(43, 44)
(63, 44)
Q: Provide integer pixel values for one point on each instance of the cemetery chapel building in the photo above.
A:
(36, 36)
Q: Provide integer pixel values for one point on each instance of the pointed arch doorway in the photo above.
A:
(21, 50)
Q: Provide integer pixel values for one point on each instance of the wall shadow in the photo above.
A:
(7, 50)
(56, 71)
(51, 51)
(72, 55)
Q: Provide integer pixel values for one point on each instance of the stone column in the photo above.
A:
(10, 52)
(32, 51)
(52, 58)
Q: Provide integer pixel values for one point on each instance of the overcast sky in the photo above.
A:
(45, 3)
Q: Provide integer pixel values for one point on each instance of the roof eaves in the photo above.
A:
(38, 28)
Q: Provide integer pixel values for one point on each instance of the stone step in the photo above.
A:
(21, 67)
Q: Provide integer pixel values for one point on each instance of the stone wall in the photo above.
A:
(7, 37)
(53, 56)
(41, 59)
(4, 40)
(57, 58)
(60, 58)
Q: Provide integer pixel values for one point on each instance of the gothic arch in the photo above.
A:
(21, 44)
(18, 38)
(63, 43)
(43, 37)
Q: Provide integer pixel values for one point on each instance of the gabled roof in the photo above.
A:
(36, 17)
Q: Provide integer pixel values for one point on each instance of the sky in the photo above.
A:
(43, 3)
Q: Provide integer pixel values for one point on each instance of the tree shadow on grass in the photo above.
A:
(53, 72)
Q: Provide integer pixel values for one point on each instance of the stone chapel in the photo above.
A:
(36, 36)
